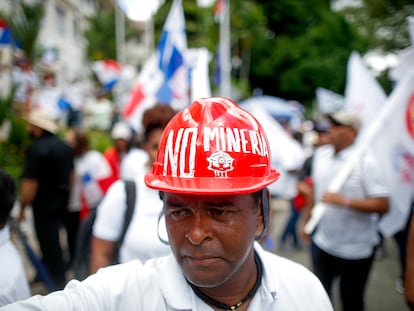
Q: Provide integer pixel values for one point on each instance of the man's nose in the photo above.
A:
(198, 230)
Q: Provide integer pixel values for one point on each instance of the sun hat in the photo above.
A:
(42, 119)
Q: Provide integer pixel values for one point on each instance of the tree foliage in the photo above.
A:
(287, 48)
(101, 35)
(384, 22)
(307, 46)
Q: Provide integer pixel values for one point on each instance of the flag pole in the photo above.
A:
(120, 34)
(225, 61)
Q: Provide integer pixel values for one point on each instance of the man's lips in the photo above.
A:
(201, 260)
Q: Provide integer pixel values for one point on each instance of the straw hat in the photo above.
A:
(41, 119)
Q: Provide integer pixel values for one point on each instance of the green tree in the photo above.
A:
(306, 46)
(101, 35)
(384, 22)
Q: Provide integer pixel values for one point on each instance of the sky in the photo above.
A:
(142, 10)
(139, 10)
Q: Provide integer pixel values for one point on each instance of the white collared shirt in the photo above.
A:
(160, 285)
(13, 280)
(345, 232)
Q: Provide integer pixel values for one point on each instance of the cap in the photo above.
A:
(42, 119)
(121, 130)
(346, 117)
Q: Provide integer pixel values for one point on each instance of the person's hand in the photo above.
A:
(334, 198)
(305, 237)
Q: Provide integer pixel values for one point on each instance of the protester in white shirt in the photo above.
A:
(212, 170)
(344, 242)
(98, 112)
(141, 239)
(13, 280)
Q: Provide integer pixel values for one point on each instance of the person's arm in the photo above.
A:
(378, 205)
(107, 226)
(102, 253)
(308, 191)
(409, 269)
(29, 189)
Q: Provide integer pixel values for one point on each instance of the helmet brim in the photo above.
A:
(210, 186)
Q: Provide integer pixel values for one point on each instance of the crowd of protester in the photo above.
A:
(64, 178)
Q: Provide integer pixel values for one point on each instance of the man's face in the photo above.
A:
(341, 136)
(31, 130)
(211, 236)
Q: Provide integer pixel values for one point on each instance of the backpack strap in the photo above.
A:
(130, 191)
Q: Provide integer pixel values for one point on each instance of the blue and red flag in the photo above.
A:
(165, 76)
(5, 34)
(108, 73)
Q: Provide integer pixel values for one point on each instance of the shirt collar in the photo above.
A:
(180, 296)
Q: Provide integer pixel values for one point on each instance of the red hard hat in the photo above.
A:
(212, 147)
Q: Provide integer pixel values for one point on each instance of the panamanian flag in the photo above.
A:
(165, 76)
(108, 73)
(5, 34)
(94, 172)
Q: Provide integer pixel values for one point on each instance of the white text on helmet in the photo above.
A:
(180, 149)
(235, 140)
(180, 155)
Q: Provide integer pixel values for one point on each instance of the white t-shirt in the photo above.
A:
(159, 285)
(13, 280)
(98, 114)
(343, 231)
(141, 240)
(133, 163)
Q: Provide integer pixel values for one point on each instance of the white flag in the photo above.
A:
(287, 153)
(405, 63)
(395, 149)
(363, 93)
(328, 101)
(198, 60)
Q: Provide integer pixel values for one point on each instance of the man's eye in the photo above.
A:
(179, 212)
(176, 213)
(220, 212)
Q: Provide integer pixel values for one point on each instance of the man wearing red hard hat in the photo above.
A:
(212, 170)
